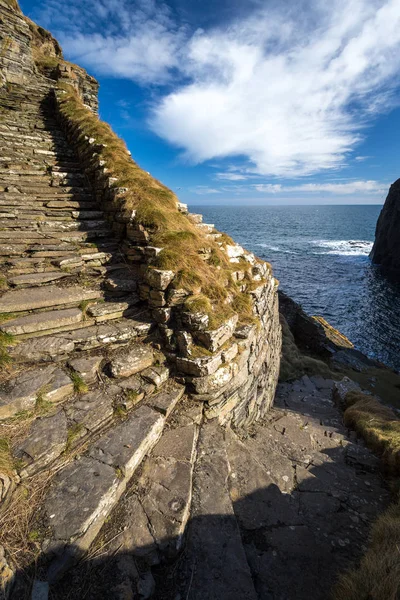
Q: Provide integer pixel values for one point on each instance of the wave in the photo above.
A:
(344, 247)
(276, 249)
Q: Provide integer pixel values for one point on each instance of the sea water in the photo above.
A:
(320, 256)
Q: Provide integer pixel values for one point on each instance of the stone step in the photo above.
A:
(72, 225)
(45, 297)
(21, 393)
(149, 523)
(53, 195)
(99, 478)
(44, 346)
(42, 321)
(78, 422)
(46, 191)
(213, 562)
(33, 279)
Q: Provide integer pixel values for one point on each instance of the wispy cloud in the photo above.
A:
(231, 176)
(350, 188)
(139, 41)
(288, 89)
(204, 190)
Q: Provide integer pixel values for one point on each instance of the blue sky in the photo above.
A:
(246, 101)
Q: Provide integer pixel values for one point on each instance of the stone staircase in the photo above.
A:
(272, 513)
(87, 393)
(118, 470)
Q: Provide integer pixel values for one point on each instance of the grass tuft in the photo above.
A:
(73, 433)
(378, 575)
(156, 208)
(80, 386)
(377, 424)
(6, 340)
(42, 405)
(6, 461)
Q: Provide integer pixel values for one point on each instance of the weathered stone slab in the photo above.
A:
(42, 321)
(156, 375)
(168, 485)
(199, 367)
(178, 443)
(91, 410)
(37, 278)
(87, 368)
(103, 311)
(81, 494)
(214, 339)
(20, 393)
(46, 441)
(136, 359)
(59, 387)
(136, 537)
(221, 567)
(42, 297)
(165, 401)
(125, 445)
(44, 348)
(252, 490)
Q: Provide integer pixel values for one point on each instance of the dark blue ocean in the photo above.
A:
(320, 256)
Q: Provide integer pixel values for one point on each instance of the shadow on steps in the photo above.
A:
(264, 545)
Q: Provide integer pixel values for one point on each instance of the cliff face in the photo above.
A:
(386, 250)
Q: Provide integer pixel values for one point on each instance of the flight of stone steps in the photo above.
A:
(86, 384)
(271, 513)
(156, 500)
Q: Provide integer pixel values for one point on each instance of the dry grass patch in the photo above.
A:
(19, 519)
(156, 209)
(377, 424)
(6, 461)
(378, 576)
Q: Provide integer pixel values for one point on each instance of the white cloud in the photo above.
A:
(231, 176)
(115, 37)
(288, 91)
(350, 188)
(362, 158)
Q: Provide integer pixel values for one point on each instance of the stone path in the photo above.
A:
(87, 395)
(275, 513)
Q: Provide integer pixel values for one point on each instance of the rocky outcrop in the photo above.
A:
(27, 50)
(386, 249)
